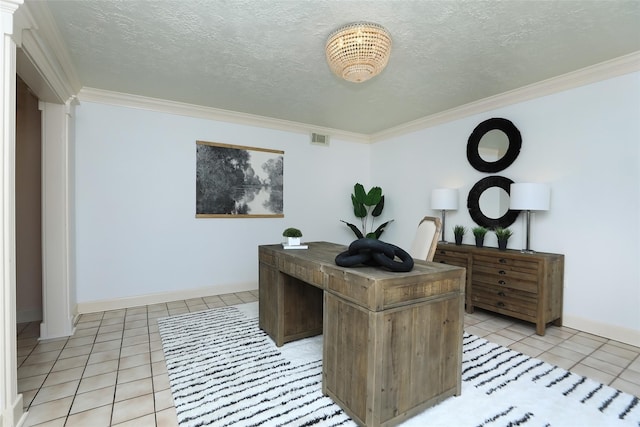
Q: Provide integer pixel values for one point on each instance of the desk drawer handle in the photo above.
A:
(501, 282)
(443, 262)
(502, 272)
(502, 261)
(501, 294)
(500, 304)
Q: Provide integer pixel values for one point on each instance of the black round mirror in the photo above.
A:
(493, 145)
(488, 203)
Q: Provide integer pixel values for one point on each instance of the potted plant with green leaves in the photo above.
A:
(479, 233)
(458, 233)
(293, 236)
(367, 205)
(503, 235)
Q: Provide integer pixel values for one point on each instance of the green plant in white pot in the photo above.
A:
(293, 236)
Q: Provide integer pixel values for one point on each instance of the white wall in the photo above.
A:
(136, 233)
(585, 144)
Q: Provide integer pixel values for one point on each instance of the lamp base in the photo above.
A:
(442, 240)
(528, 250)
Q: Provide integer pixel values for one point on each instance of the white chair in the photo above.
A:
(426, 240)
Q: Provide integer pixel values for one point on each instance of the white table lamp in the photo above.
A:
(444, 199)
(529, 197)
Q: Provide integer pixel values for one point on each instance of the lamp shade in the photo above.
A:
(444, 199)
(530, 196)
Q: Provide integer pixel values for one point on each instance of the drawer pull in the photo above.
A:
(502, 282)
(502, 261)
(443, 262)
(500, 304)
(500, 294)
(443, 252)
(502, 272)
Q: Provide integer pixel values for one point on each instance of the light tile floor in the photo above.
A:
(111, 372)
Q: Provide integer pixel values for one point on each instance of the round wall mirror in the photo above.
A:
(488, 203)
(493, 145)
(494, 202)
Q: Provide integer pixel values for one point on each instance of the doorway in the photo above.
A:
(28, 194)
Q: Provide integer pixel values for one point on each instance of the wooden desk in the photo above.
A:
(392, 343)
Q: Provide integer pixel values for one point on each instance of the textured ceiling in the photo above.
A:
(267, 57)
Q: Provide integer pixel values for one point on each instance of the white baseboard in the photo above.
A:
(59, 331)
(183, 294)
(612, 332)
(31, 315)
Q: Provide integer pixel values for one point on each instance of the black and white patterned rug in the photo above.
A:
(225, 371)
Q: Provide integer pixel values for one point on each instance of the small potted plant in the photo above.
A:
(503, 235)
(458, 232)
(293, 236)
(479, 233)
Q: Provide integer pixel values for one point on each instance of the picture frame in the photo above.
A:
(236, 181)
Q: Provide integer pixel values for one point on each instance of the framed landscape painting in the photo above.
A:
(234, 181)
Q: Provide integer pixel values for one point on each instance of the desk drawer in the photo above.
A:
(307, 271)
(267, 257)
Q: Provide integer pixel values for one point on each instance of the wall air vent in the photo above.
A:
(318, 139)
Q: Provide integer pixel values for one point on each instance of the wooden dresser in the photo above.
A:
(526, 286)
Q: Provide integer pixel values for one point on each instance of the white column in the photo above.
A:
(56, 299)
(10, 402)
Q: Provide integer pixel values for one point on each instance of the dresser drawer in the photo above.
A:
(505, 299)
(507, 263)
(451, 261)
(444, 256)
(451, 254)
(506, 278)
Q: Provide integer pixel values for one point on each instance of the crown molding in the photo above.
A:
(88, 94)
(605, 70)
(41, 43)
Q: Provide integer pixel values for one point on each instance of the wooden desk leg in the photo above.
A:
(269, 304)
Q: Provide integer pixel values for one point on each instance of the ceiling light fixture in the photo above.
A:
(358, 51)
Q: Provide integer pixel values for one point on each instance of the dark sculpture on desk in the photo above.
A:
(375, 253)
